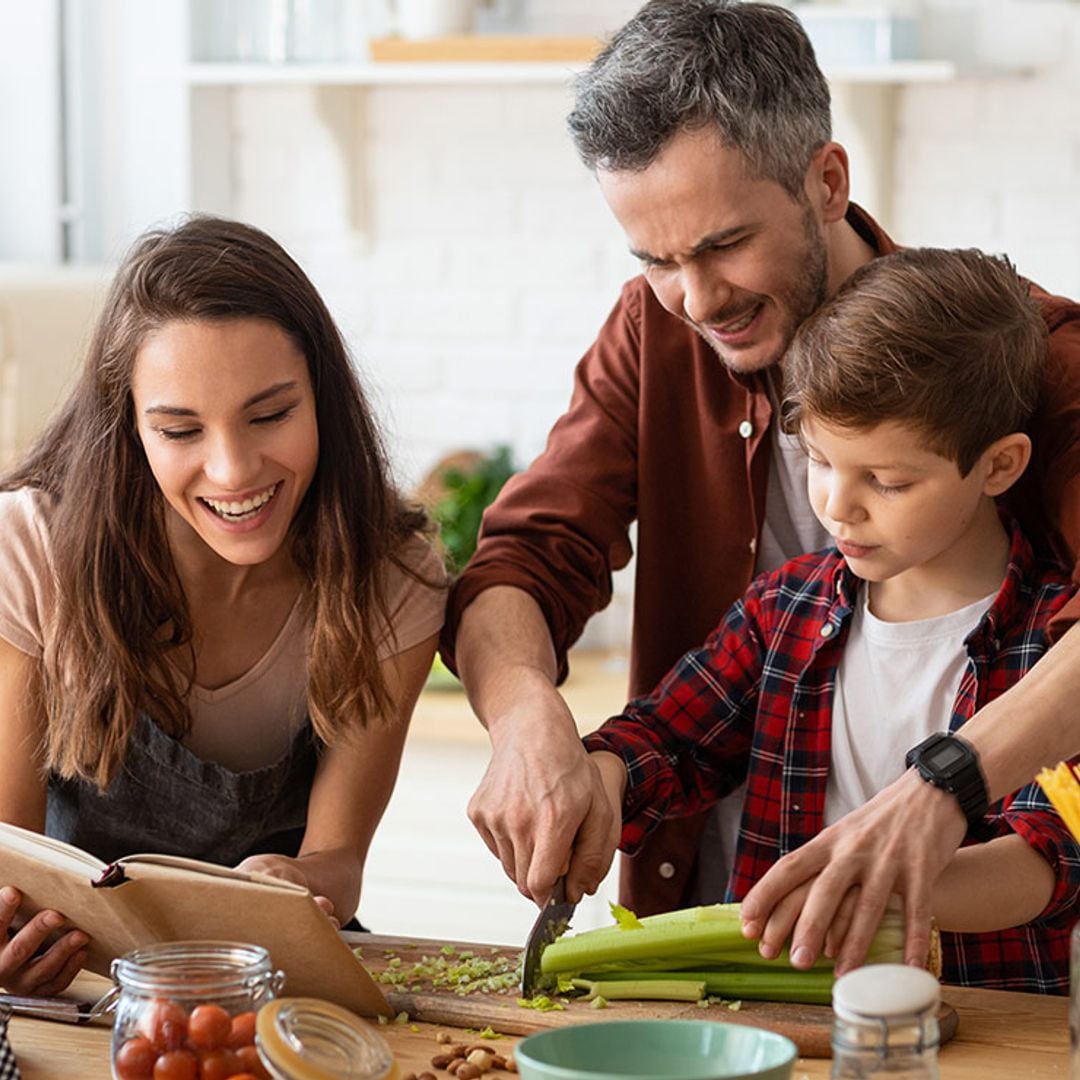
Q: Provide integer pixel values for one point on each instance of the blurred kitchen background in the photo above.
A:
(411, 154)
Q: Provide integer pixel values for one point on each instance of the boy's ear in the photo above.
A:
(1005, 459)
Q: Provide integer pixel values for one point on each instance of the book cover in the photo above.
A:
(142, 899)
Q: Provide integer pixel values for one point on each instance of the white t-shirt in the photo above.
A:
(791, 528)
(248, 723)
(896, 684)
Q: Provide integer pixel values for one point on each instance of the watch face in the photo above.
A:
(946, 754)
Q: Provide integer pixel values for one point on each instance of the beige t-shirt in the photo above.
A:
(250, 722)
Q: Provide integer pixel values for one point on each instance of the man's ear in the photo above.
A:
(828, 183)
(1004, 461)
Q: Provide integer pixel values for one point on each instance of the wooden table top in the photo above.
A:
(1002, 1036)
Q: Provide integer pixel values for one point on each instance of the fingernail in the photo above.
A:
(9, 895)
(801, 957)
(53, 919)
(79, 939)
(767, 951)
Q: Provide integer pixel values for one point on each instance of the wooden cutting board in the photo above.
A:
(808, 1026)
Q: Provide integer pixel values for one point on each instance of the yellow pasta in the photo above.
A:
(1062, 787)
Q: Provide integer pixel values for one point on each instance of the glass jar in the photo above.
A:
(310, 1039)
(885, 1024)
(187, 1008)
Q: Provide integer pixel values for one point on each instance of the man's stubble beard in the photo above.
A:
(807, 294)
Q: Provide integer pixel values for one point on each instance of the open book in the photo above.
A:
(142, 899)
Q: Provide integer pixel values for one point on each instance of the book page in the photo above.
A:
(55, 852)
(197, 866)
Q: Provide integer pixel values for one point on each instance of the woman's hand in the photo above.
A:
(281, 866)
(27, 968)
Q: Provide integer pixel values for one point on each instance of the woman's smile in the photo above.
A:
(242, 509)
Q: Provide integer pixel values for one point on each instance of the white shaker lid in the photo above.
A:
(885, 991)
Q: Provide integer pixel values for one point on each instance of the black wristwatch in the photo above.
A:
(951, 763)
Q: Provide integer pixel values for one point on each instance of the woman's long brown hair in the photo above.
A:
(120, 606)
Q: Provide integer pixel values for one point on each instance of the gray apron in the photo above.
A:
(166, 800)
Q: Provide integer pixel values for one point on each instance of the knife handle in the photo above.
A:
(45, 1008)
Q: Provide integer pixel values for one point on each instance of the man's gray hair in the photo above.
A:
(747, 69)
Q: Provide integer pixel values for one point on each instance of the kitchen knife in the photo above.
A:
(552, 921)
(65, 1010)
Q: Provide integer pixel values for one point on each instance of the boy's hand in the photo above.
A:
(24, 968)
(612, 773)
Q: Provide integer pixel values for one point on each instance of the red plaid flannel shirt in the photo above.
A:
(755, 703)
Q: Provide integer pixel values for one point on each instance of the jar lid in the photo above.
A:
(311, 1039)
(889, 992)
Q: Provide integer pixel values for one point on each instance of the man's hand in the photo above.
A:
(27, 968)
(839, 883)
(281, 866)
(541, 807)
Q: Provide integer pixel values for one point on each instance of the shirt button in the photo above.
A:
(827, 630)
(795, 806)
(746, 429)
(667, 870)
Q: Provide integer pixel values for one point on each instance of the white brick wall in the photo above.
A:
(470, 258)
(994, 161)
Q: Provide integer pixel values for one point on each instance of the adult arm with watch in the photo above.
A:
(902, 840)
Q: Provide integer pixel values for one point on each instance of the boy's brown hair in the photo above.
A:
(949, 342)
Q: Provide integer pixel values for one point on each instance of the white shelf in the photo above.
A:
(493, 72)
(378, 74)
(899, 71)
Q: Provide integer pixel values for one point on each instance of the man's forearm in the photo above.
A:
(504, 651)
(1033, 724)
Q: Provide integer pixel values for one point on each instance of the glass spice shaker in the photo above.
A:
(310, 1039)
(187, 1008)
(885, 1024)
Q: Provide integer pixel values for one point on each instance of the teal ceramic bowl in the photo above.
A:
(656, 1050)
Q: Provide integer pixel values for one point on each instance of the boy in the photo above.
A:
(909, 390)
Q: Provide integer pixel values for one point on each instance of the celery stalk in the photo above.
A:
(698, 945)
(674, 988)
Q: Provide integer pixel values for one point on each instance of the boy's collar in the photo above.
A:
(1020, 568)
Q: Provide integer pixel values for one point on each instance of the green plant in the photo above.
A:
(467, 493)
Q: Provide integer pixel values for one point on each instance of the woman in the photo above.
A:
(216, 614)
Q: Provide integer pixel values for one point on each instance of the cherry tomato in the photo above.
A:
(209, 1027)
(164, 1023)
(248, 1057)
(242, 1032)
(218, 1064)
(135, 1059)
(177, 1065)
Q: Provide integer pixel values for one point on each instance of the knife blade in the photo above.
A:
(552, 921)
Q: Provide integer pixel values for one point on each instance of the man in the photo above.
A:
(707, 124)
